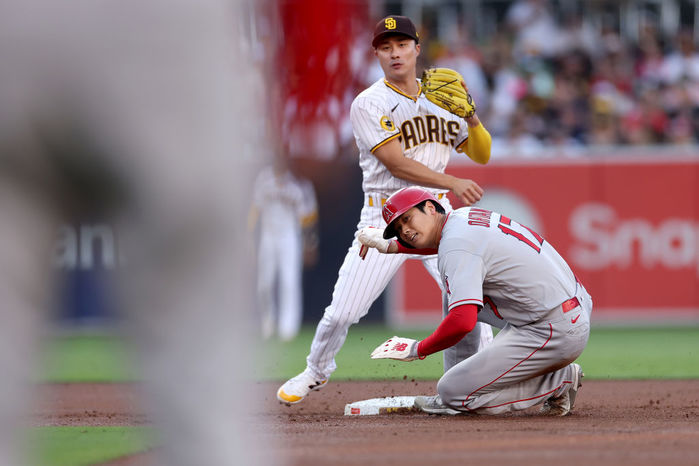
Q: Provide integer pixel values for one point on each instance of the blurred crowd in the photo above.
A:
(545, 82)
(546, 85)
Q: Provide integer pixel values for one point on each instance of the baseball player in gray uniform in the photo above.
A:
(498, 271)
(404, 140)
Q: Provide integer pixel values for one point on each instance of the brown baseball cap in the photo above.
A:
(394, 25)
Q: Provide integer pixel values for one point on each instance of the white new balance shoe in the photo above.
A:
(562, 405)
(296, 389)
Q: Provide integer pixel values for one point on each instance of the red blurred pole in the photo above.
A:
(312, 31)
(313, 56)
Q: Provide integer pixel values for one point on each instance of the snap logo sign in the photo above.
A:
(603, 238)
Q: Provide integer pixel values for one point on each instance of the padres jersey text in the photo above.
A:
(427, 133)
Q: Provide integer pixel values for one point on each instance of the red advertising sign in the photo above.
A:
(629, 228)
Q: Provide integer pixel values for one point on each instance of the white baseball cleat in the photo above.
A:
(562, 405)
(296, 389)
(433, 405)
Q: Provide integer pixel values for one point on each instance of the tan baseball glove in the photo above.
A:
(446, 88)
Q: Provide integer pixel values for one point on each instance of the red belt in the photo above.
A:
(573, 302)
(570, 304)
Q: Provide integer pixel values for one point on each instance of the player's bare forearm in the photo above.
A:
(391, 155)
(468, 191)
(419, 174)
(393, 158)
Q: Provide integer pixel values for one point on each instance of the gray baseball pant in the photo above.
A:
(523, 366)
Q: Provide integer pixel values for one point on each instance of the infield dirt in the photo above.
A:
(614, 422)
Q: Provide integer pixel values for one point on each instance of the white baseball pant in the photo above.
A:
(280, 258)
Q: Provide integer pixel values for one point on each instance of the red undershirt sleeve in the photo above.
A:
(455, 326)
(424, 252)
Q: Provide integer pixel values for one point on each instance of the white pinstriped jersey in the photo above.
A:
(485, 255)
(427, 133)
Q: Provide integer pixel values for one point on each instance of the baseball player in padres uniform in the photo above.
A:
(403, 140)
(498, 271)
(286, 207)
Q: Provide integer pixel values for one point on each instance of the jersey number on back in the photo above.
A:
(509, 227)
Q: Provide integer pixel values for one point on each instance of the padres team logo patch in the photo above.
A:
(387, 124)
(390, 23)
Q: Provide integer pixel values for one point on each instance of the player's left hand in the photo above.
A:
(400, 349)
(372, 237)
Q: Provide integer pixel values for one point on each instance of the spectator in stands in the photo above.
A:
(535, 30)
(604, 123)
(459, 55)
(683, 61)
(508, 87)
(650, 59)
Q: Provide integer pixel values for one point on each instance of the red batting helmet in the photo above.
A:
(400, 202)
